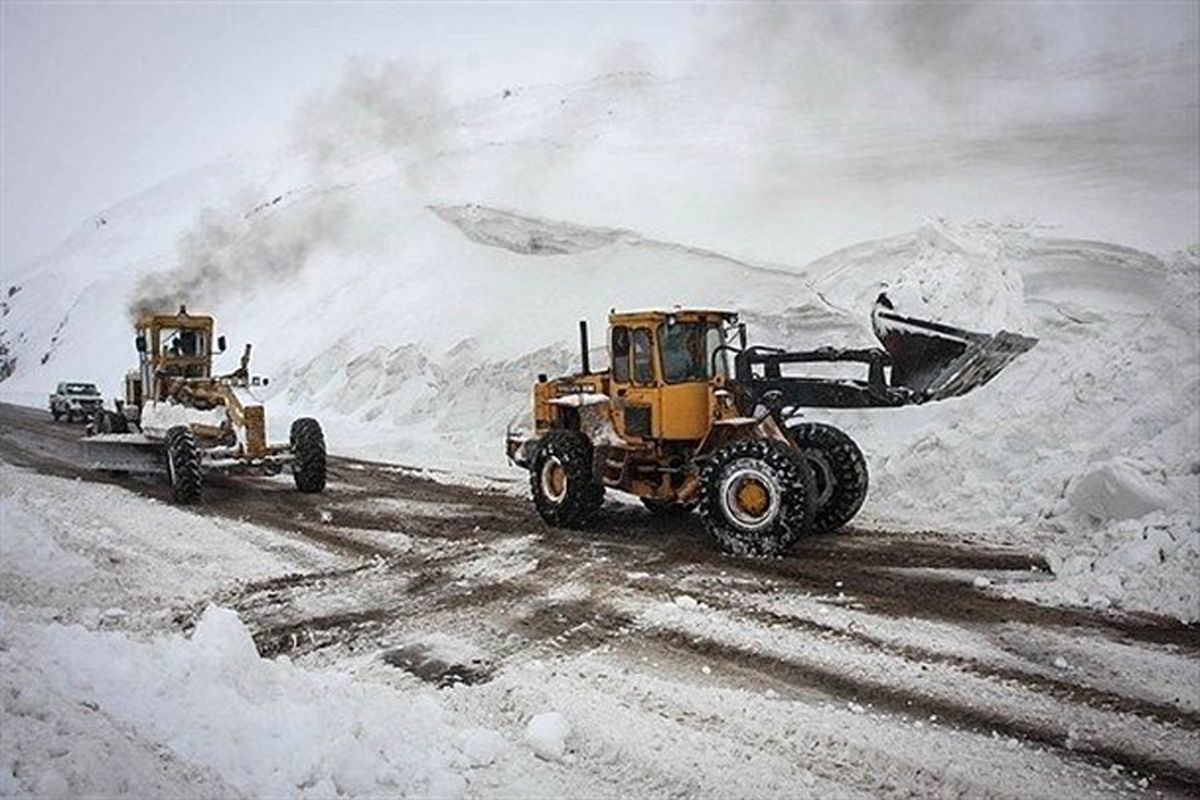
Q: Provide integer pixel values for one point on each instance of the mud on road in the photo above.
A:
(889, 621)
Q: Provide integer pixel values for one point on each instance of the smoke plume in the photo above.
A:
(232, 250)
(393, 106)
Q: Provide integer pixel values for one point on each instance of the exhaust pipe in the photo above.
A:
(583, 347)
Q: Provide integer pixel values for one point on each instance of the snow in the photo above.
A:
(408, 293)
(161, 417)
(73, 550)
(268, 728)
(547, 734)
(1119, 488)
(122, 702)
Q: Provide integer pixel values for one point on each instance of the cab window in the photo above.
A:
(643, 357)
(690, 351)
(182, 342)
(620, 355)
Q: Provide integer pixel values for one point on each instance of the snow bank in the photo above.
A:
(27, 546)
(1119, 488)
(268, 728)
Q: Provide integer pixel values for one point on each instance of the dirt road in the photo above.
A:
(895, 624)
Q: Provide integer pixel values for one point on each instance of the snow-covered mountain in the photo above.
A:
(406, 267)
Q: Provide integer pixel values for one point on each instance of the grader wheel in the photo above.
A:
(183, 465)
(308, 452)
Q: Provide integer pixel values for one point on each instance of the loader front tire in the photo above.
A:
(564, 491)
(308, 455)
(840, 471)
(183, 465)
(756, 497)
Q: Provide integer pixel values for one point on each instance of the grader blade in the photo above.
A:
(123, 452)
(937, 361)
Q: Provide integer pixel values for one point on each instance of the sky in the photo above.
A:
(101, 101)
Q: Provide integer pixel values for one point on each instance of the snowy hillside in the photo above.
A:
(404, 276)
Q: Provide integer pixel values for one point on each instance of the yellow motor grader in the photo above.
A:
(689, 416)
(179, 419)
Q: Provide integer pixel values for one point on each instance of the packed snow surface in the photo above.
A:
(408, 295)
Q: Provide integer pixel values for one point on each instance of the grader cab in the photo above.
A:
(689, 416)
(180, 419)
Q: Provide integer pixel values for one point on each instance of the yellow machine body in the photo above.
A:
(176, 354)
(662, 401)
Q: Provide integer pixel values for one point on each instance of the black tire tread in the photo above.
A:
(309, 468)
(796, 516)
(849, 472)
(184, 455)
(584, 496)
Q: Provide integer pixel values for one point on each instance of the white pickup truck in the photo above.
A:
(75, 401)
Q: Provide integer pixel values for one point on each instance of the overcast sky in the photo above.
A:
(101, 101)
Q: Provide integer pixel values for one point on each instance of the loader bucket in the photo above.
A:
(937, 361)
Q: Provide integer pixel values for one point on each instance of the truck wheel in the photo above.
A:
(183, 465)
(667, 508)
(560, 476)
(756, 497)
(308, 455)
(840, 471)
(54, 412)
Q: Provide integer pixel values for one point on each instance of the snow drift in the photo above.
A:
(267, 728)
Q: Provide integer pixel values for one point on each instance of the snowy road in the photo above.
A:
(869, 662)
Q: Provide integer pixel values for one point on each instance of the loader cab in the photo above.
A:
(666, 366)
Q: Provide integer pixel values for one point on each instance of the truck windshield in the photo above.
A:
(688, 349)
(81, 388)
(183, 342)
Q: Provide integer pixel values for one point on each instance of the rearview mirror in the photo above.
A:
(221, 343)
(140, 343)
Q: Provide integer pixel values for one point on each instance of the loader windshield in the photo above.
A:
(688, 349)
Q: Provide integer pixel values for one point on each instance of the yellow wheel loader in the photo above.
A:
(689, 416)
(179, 420)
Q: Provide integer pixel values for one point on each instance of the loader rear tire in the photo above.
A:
(840, 471)
(183, 465)
(308, 454)
(564, 491)
(756, 497)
